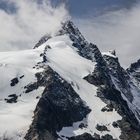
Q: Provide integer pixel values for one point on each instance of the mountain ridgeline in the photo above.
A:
(86, 94)
(113, 84)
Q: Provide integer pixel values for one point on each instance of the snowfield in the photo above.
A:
(15, 118)
(64, 59)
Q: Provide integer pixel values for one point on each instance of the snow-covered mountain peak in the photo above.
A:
(66, 89)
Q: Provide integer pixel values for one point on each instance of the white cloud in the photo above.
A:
(21, 30)
(118, 30)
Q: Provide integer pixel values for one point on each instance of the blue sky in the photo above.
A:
(8, 7)
(83, 8)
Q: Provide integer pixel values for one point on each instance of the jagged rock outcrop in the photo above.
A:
(134, 66)
(134, 71)
(42, 40)
(120, 74)
(58, 107)
(123, 84)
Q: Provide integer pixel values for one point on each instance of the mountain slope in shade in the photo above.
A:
(134, 71)
(66, 89)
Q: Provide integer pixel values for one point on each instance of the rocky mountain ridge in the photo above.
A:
(86, 94)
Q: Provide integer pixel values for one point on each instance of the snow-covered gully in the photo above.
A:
(72, 67)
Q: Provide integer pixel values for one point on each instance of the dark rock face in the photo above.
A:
(120, 74)
(89, 51)
(42, 40)
(85, 136)
(107, 92)
(85, 49)
(82, 125)
(43, 55)
(113, 52)
(128, 133)
(101, 128)
(58, 107)
(115, 124)
(14, 81)
(134, 66)
(21, 76)
(41, 81)
(99, 76)
(107, 137)
(113, 98)
(110, 95)
(134, 70)
(74, 34)
(107, 108)
(123, 81)
(12, 98)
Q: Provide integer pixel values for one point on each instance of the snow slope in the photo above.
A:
(15, 118)
(63, 58)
